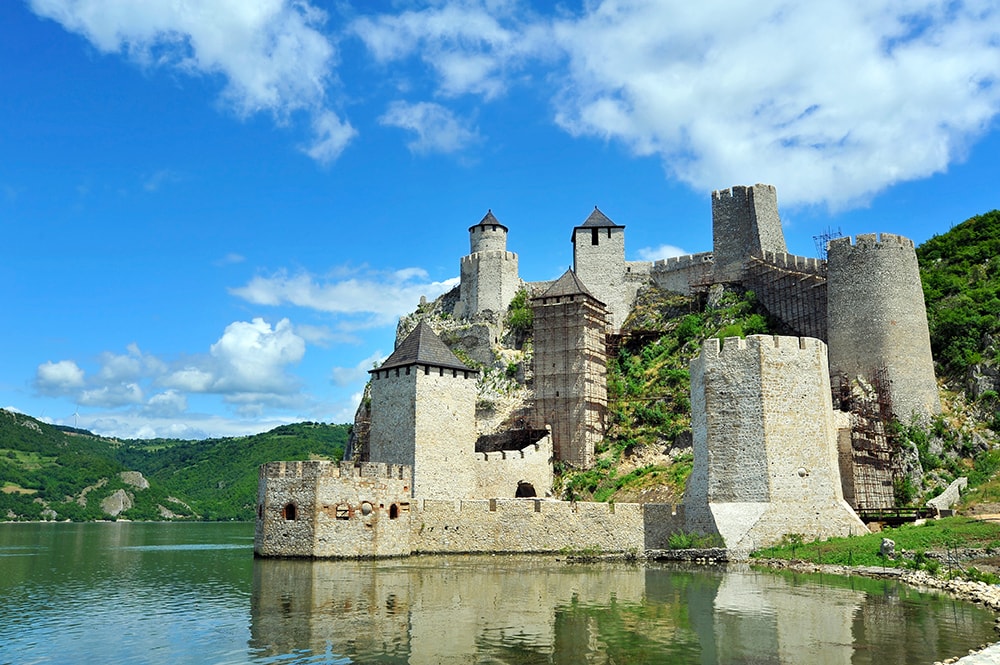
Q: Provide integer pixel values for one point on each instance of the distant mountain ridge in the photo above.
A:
(63, 473)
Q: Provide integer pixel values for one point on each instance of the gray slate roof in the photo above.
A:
(489, 220)
(568, 285)
(599, 220)
(422, 346)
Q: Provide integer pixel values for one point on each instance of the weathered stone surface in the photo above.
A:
(117, 503)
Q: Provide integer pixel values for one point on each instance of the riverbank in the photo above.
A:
(980, 593)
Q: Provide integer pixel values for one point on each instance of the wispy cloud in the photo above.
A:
(437, 128)
(661, 252)
(379, 298)
(273, 56)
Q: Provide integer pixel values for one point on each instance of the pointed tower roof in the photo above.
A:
(489, 220)
(422, 346)
(600, 220)
(568, 285)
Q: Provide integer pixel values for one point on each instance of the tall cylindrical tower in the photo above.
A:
(489, 277)
(877, 320)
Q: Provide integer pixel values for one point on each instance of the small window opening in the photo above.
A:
(609, 231)
(594, 239)
(427, 370)
(260, 511)
(343, 511)
(288, 512)
(407, 371)
(393, 511)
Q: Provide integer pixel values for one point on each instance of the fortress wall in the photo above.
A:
(283, 486)
(796, 298)
(497, 474)
(445, 435)
(488, 281)
(877, 318)
(745, 223)
(809, 265)
(535, 525)
(680, 273)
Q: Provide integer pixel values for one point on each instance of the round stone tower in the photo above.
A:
(878, 322)
(489, 277)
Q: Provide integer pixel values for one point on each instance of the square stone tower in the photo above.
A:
(424, 415)
(570, 366)
(765, 443)
(745, 223)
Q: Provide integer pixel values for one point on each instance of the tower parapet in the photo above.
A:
(877, 319)
(745, 223)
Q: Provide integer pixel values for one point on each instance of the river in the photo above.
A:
(192, 593)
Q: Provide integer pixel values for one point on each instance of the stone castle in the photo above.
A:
(772, 454)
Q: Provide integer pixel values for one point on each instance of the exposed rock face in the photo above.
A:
(135, 479)
(117, 503)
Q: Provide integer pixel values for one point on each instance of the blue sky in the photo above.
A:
(213, 212)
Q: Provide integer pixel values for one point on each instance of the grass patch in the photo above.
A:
(942, 534)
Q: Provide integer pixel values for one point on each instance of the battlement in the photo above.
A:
(762, 344)
(496, 455)
(741, 191)
(871, 241)
(682, 262)
(797, 263)
(315, 469)
(476, 257)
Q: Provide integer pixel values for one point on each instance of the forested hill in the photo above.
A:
(58, 473)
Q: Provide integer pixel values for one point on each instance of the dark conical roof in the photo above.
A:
(489, 220)
(600, 220)
(568, 285)
(422, 346)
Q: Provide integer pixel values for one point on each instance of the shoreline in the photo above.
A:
(980, 593)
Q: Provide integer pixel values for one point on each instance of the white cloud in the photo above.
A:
(473, 46)
(252, 356)
(167, 404)
(344, 376)
(437, 128)
(271, 53)
(112, 396)
(830, 101)
(661, 252)
(128, 366)
(381, 297)
(58, 378)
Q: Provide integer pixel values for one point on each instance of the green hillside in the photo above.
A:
(57, 473)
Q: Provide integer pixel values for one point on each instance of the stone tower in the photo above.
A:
(424, 415)
(489, 277)
(570, 367)
(599, 259)
(877, 320)
(745, 223)
(765, 443)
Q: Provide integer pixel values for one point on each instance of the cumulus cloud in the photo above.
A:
(661, 252)
(167, 404)
(272, 55)
(128, 366)
(112, 396)
(252, 356)
(378, 297)
(831, 101)
(58, 378)
(437, 128)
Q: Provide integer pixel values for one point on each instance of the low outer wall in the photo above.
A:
(535, 525)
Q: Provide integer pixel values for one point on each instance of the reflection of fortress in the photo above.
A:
(498, 609)
(770, 450)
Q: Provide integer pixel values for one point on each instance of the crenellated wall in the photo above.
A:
(745, 223)
(498, 474)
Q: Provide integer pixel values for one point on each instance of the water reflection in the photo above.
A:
(537, 610)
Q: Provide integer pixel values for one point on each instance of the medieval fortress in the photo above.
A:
(772, 454)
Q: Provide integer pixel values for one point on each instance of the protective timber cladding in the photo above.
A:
(571, 389)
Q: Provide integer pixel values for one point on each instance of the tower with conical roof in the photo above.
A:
(599, 260)
(424, 415)
(489, 277)
(570, 368)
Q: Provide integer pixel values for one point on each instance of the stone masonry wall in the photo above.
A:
(605, 272)
(877, 318)
(489, 281)
(498, 473)
(765, 443)
(681, 274)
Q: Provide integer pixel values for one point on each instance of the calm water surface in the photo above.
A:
(192, 593)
